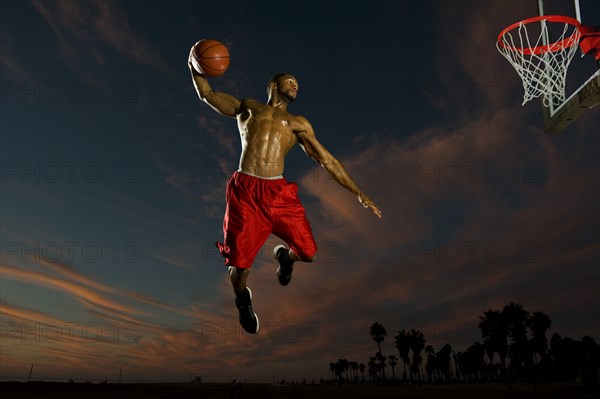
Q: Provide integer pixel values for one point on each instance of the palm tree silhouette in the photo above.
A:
(470, 363)
(333, 369)
(417, 343)
(403, 346)
(343, 365)
(361, 368)
(381, 358)
(431, 366)
(373, 369)
(354, 367)
(539, 323)
(515, 318)
(378, 334)
(443, 358)
(393, 361)
(494, 332)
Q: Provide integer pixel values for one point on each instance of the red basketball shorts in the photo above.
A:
(258, 207)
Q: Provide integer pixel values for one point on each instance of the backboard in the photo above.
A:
(583, 77)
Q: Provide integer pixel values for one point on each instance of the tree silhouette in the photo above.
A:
(393, 362)
(403, 346)
(332, 370)
(471, 363)
(373, 368)
(381, 366)
(515, 318)
(343, 364)
(417, 344)
(431, 366)
(354, 367)
(494, 332)
(378, 334)
(518, 337)
(539, 323)
(576, 359)
(443, 357)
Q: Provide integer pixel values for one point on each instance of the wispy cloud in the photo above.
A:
(89, 36)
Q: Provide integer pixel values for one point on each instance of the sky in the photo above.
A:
(113, 186)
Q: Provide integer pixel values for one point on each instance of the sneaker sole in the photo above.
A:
(275, 250)
(255, 315)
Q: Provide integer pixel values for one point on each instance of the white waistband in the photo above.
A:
(261, 177)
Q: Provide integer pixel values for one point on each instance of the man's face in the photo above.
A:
(288, 86)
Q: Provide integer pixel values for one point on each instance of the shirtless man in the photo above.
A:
(260, 201)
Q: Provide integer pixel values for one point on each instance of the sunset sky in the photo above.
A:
(113, 186)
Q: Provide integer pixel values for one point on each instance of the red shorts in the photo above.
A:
(258, 207)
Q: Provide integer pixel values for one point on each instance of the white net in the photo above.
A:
(541, 66)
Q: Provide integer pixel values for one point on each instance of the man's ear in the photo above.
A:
(273, 85)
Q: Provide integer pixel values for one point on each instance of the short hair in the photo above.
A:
(276, 78)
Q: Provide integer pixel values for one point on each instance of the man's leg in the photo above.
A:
(286, 258)
(291, 225)
(243, 298)
(293, 257)
(238, 277)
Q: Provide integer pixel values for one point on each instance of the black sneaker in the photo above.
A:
(248, 319)
(286, 265)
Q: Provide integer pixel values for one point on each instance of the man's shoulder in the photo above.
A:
(302, 120)
(250, 103)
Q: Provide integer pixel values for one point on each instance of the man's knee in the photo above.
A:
(238, 272)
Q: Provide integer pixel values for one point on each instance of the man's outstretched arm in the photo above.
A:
(314, 149)
(224, 104)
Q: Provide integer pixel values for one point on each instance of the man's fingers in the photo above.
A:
(367, 203)
(376, 211)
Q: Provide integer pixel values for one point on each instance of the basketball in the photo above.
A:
(210, 58)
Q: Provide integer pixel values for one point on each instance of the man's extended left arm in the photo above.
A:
(314, 149)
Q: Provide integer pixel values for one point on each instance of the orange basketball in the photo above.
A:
(210, 57)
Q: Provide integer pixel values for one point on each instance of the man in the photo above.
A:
(259, 199)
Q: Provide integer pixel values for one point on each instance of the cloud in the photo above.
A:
(86, 295)
(11, 63)
(105, 23)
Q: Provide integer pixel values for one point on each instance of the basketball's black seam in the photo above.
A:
(214, 58)
(207, 67)
(209, 47)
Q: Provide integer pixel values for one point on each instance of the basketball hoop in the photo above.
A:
(541, 65)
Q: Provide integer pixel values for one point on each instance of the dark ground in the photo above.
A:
(55, 390)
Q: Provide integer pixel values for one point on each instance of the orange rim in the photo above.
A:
(548, 48)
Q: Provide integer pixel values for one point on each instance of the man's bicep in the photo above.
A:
(224, 104)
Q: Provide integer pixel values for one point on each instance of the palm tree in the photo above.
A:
(403, 346)
(337, 369)
(361, 368)
(393, 361)
(431, 366)
(417, 343)
(539, 323)
(378, 334)
(332, 369)
(444, 359)
(344, 364)
(521, 359)
(381, 358)
(494, 332)
(475, 358)
(354, 367)
(373, 369)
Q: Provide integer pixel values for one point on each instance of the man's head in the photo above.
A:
(284, 84)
